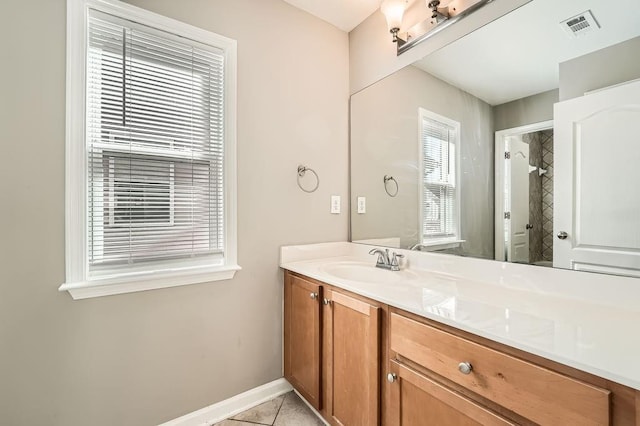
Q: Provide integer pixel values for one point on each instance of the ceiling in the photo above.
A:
(518, 55)
(344, 14)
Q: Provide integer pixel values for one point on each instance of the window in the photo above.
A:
(138, 192)
(150, 150)
(439, 192)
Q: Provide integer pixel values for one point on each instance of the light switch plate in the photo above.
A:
(335, 204)
(362, 205)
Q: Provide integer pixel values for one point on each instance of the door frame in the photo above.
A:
(499, 179)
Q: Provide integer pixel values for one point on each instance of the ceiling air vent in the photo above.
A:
(580, 24)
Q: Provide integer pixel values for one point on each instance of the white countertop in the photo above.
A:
(586, 321)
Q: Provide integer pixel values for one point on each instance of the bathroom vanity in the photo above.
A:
(433, 345)
(489, 151)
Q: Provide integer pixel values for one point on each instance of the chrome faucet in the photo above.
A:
(386, 260)
(416, 246)
(383, 257)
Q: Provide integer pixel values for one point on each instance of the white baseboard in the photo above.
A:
(232, 406)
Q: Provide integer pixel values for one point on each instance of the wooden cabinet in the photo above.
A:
(362, 363)
(352, 361)
(332, 350)
(302, 338)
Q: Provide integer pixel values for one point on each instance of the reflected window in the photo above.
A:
(439, 189)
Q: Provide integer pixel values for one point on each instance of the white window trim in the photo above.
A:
(77, 282)
(444, 243)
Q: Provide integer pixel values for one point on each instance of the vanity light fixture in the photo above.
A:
(393, 10)
(443, 13)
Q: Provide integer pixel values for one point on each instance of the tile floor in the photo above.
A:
(285, 410)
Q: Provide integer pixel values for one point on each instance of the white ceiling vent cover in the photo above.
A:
(580, 24)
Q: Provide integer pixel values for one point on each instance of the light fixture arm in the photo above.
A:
(435, 13)
(396, 39)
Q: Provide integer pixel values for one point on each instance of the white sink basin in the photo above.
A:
(366, 273)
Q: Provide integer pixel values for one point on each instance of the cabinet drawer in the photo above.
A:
(536, 393)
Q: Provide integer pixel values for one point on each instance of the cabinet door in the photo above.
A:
(352, 362)
(417, 400)
(302, 337)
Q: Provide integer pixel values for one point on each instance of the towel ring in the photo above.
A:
(301, 172)
(388, 178)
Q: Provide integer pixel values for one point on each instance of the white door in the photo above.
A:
(597, 181)
(518, 200)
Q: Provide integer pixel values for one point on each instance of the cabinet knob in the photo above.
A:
(313, 296)
(562, 235)
(465, 367)
(391, 377)
(326, 301)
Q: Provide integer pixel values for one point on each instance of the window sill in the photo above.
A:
(442, 245)
(142, 282)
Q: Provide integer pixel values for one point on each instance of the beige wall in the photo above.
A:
(606, 67)
(384, 141)
(144, 358)
(373, 55)
(529, 110)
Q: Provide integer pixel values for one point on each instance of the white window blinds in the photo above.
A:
(154, 145)
(439, 199)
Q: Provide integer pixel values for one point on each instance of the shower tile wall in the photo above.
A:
(535, 198)
(546, 140)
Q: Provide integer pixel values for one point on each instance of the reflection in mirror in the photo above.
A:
(513, 143)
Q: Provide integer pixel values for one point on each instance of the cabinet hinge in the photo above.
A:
(507, 155)
(507, 215)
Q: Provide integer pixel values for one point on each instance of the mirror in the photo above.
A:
(516, 142)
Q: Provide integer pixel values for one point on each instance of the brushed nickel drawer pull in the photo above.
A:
(465, 367)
